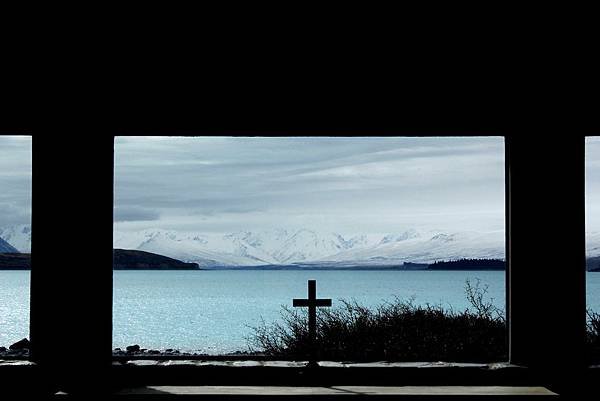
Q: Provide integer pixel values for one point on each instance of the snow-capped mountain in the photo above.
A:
(242, 248)
(289, 246)
(18, 236)
(306, 245)
(592, 240)
(282, 246)
(427, 248)
(182, 246)
(5, 247)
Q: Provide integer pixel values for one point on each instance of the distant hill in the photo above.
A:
(593, 264)
(5, 247)
(15, 261)
(469, 264)
(123, 260)
(141, 260)
(415, 266)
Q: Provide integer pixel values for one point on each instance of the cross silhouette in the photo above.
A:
(312, 303)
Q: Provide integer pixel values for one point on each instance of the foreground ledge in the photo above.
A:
(16, 362)
(296, 373)
(337, 391)
(302, 364)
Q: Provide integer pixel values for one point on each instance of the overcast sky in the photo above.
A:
(592, 160)
(345, 185)
(348, 185)
(15, 180)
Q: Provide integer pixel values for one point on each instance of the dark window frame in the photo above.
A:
(56, 322)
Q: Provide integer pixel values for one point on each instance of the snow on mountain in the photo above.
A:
(269, 241)
(205, 250)
(306, 245)
(409, 234)
(593, 244)
(427, 248)
(248, 248)
(288, 246)
(259, 246)
(208, 250)
(364, 240)
(18, 236)
(5, 247)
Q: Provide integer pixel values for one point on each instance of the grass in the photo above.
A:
(398, 330)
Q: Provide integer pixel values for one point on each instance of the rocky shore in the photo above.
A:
(136, 352)
(20, 350)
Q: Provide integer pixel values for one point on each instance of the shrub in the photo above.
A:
(394, 331)
(593, 337)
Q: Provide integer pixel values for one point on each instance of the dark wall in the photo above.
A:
(71, 294)
(546, 252)
(72, 190)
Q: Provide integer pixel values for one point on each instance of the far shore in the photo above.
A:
(144, 261)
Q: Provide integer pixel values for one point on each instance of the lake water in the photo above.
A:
(212, 311)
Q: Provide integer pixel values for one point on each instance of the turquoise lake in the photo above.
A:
(213, 311)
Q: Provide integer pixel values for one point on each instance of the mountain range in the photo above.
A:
(306, 246)
(19, 236)
(286, 246)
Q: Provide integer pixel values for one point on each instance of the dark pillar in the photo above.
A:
(71, 278)
(546, 251)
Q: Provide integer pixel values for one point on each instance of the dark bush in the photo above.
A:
(395, 331)
(593, 337)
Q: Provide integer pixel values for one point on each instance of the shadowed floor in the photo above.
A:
(335, 391)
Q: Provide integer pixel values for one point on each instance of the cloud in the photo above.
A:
(14, 213)
(592, 154)
(250, 183)
(15, 180)
(346, 183)
(131, 213)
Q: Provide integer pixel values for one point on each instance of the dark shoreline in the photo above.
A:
(20, 350)
(131, 260)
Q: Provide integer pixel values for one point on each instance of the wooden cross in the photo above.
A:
(312, 303)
